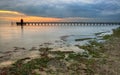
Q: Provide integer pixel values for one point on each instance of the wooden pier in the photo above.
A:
(65, 23)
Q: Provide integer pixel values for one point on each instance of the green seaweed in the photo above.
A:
(82, 39)
(99, 33)
(116, 32)
(106, 37)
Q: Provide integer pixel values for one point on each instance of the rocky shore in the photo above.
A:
(98, 58)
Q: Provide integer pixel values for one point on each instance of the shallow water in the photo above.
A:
(29, 36)
(17, 43)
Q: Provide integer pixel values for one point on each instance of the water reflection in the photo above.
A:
(29, 36)
(22, 31)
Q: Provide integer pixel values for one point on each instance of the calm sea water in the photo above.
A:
(29, 36)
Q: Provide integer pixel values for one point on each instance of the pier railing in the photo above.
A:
(65, 23)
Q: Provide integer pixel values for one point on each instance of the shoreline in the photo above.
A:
(9, 57)
(96, 59)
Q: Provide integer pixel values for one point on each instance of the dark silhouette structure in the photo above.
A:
(21, 23)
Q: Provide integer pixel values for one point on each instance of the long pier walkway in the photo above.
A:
(64, 23)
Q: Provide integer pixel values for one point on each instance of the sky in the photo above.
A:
(60, 10)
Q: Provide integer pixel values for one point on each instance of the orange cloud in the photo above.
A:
(13, 16)
(16, 16)
(42, 19)
(11, 12)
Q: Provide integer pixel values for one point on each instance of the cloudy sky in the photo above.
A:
(65, 9)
